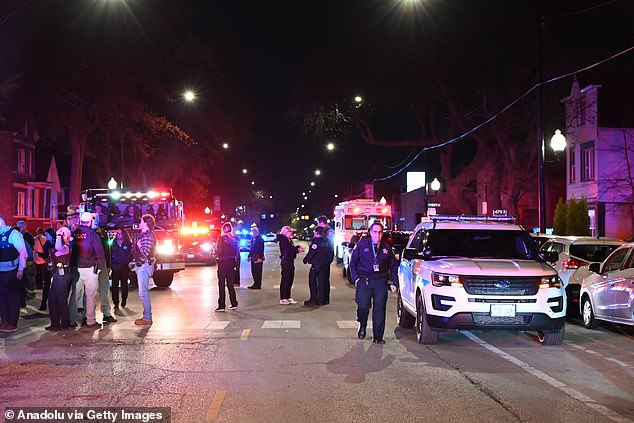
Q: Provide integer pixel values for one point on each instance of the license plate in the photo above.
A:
(502, 310)
(190, 256)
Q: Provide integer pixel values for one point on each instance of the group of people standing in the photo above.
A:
(76, 265)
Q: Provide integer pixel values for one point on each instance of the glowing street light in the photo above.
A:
(358, 99)
(207, 210)
(558, 141)
(189, 96)
(244, 171)
(330, 146)
(317, 172)
(225, 145)
(112, 184)
(312, 184)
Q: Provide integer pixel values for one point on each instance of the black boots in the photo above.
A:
(361, 333)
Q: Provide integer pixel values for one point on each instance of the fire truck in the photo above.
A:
(358, 215)
(122, 209)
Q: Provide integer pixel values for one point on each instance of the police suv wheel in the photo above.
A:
(403, 318)
(162, 279)
(424, 334)
(552, 337)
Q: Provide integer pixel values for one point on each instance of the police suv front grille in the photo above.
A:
(484, 319)
(500, 286)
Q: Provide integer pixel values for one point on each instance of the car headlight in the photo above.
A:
(166, 247)
(438, 279)
(206, 246)
(549, 282)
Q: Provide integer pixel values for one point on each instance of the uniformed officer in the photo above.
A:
(372, 265)
(329, 235)
(319, 258)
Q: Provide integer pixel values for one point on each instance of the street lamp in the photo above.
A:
(112, 184)
(189, 96)
(207, 210)
(330, 146)
(558, 142)
(317, 172)
(244, 171)
(225, 145)
(431, 189)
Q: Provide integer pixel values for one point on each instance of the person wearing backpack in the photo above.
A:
(12, 263)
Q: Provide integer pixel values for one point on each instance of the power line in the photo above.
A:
(504, 109)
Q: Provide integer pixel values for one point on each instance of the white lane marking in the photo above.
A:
(26, 332)
(281, 324)
(603, 357)
(218, 325)
(571, 392)
(350, 324)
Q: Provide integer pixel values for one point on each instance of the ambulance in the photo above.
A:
(358, 215)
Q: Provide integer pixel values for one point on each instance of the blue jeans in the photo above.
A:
(143, 274)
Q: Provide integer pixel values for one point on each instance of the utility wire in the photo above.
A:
(504, 109)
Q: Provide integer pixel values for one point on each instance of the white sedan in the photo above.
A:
(608, 292)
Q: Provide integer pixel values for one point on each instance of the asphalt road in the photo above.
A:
(267, 362)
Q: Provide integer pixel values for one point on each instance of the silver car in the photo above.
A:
(608, 292)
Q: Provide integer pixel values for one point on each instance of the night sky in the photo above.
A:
(279, 54)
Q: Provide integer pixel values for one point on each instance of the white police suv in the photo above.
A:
(478, 272)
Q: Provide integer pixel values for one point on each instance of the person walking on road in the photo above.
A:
(13, 256)
(144, 257)
(288, 252)
(372, 265)
(228, 257)
(256, 257)
(319, 257)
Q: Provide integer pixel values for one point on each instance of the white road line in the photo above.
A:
(603, 357)
(351, 324)
(218, 325)
(26, 332)
(281, 324)
(571, 392)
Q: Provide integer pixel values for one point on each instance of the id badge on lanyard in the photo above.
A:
(376, 264)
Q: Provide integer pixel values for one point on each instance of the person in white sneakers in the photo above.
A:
(288, 252)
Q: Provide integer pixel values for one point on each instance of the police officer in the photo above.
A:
(329, 235)
(372, 264)
(12, 263)
(59, 262)
(319, 258)
(256, 257)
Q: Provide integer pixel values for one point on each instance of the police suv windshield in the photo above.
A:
(474, 243)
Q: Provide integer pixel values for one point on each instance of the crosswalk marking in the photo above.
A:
(281, 324)
(218, 325)
(350, 324)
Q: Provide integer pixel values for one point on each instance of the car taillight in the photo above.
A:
(572, 263)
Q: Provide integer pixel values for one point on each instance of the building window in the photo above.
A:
(572, 165)
(20, 203)
(587, 161)
(580, 111)
(21, 160)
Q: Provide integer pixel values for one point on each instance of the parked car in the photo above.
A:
(575, 254)
(478, 273)
(398, 240)
(198, 249)
(269, 237)
(347, 252)
(608, 292)
(540, 239)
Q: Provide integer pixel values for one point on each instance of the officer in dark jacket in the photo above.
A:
(329, 235)
(58, 262)
(319, 257)
(288, 252)
(256, 257)
(228, 256)
(372, 265)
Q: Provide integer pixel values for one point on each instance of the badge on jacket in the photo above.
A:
(314, 246)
